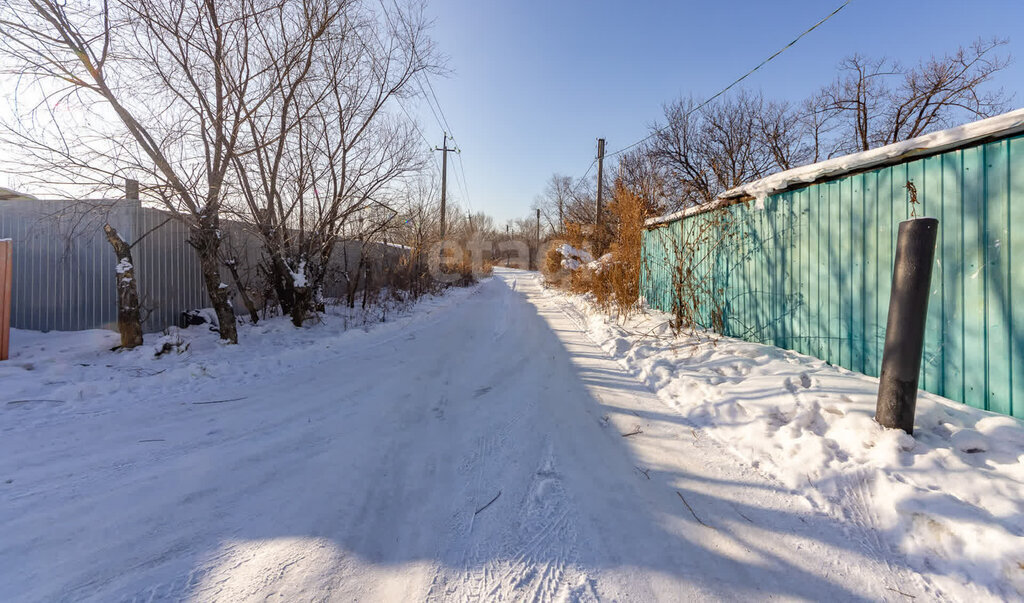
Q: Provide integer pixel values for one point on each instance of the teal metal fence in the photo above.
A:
(811, 271)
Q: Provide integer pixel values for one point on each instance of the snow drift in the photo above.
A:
(949, 499)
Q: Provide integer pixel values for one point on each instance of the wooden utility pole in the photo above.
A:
(536, 255)
(444, 181)
(600, 176)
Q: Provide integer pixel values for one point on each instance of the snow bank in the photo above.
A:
(950, 499)
(60, 373)
(1006, 124)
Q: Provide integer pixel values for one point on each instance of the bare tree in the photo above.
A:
(566, 200)
(129, 318)
(704, 150)
(945, 91)
(274, 178)
(276, 111)
(555, 203)
(329, 152)
(818, 124)
(784, 134)
(169, 72)
(878, 102)
(857, 97)
(419, 222)
(641, 175)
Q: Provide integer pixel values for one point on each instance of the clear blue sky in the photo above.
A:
(535, 82)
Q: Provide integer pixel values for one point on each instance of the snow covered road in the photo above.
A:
(482, 452)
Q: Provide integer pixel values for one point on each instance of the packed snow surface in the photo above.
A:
(503, 442)
(1006, 124)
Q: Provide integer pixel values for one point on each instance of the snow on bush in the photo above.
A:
(950, 499)
(170, 341)
(299, 275)
(573, 258)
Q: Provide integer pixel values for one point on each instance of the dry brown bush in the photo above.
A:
(487, 268)
(552, 264)
(696, 303)
(552, 269)
(615, 284)
(574, 235)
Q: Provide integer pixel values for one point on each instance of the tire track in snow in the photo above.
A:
(534, 557)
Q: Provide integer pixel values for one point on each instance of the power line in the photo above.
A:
(419, 84)
(444, 118)
(739, 79)
(415, 124)
(419, 130)
(464, 183)
(442, 121)
(398, 99)
(441, 126)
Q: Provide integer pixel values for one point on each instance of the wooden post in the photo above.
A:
(600, 178)
(6, 280)
(444, 182)
(444, 185)
(131, 189)
(536, 262)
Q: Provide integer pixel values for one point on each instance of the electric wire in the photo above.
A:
(737, 80)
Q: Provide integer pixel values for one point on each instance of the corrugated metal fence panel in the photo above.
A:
(58, 263)
(64, 267)
(168, 273)
(812, 270)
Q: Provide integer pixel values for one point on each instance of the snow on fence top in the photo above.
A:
(1000, 126)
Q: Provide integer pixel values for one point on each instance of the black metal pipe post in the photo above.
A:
(904, 329)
